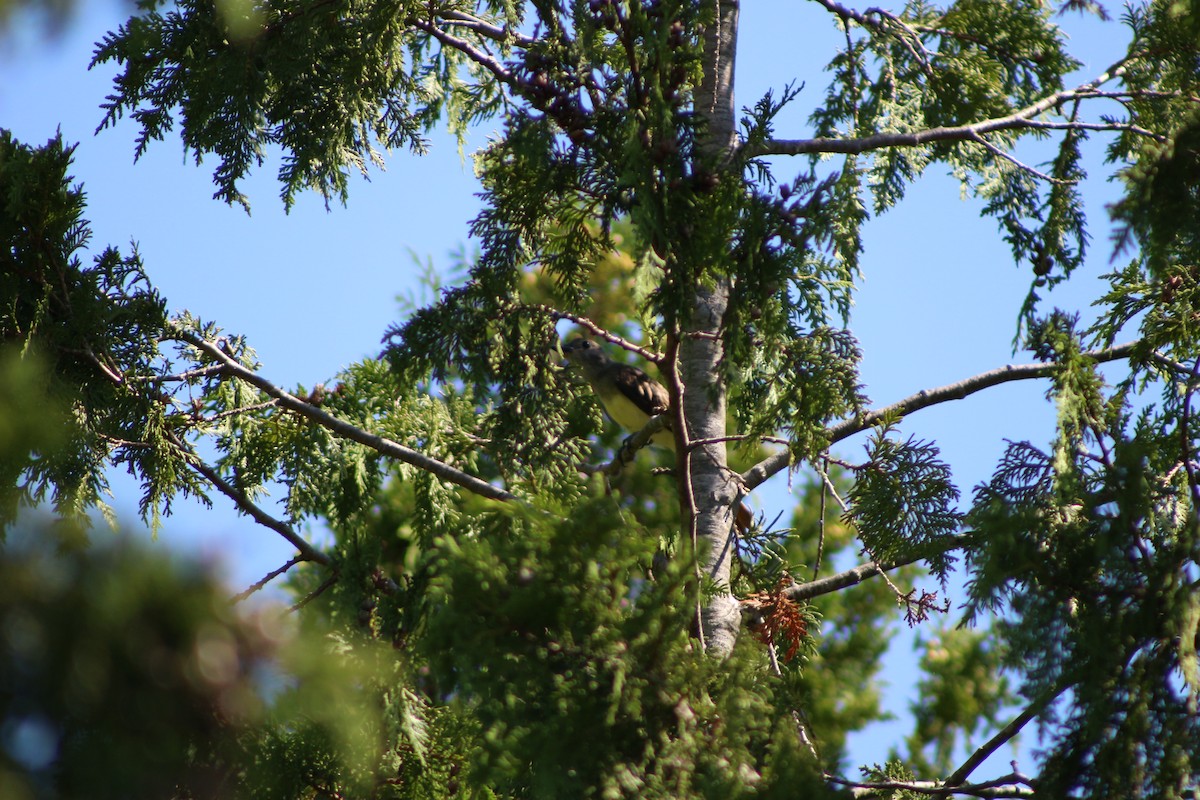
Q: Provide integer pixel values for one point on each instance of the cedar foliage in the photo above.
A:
(491, 620)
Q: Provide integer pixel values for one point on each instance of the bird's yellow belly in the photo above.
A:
(633, 419)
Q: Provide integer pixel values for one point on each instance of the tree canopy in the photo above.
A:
(516, 601)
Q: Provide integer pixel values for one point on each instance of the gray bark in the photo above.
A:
(712, 489)
(714, 95)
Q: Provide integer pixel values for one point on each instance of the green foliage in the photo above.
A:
(593, 686)
(902, 504)
(326, 82)
(1092, 554)
(545, 645)
(1160, 175)
(973, 60)
(29, 424)
(801, 388)
(86, 326)
(127, 675)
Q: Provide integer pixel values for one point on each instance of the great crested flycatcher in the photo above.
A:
(630, 397)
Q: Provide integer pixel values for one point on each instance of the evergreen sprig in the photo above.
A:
(903, 502)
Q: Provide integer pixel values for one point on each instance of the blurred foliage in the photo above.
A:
(52, 13)
(963, 694)
(121, 671)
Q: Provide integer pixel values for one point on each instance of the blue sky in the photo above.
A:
(314, 290)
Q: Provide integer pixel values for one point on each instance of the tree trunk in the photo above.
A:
(700, 353)
(712, 490)
(714, 95)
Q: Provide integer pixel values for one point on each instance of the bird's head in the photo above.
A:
(586, 356)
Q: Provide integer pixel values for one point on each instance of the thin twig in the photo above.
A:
(270, 576)
(233, 412)
(315, 593)
(821, 519)
(179, 377)
(1021, 165)
(1124, 127)
(594, 329)
(846, 510)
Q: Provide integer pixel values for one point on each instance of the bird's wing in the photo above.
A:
(650, 396)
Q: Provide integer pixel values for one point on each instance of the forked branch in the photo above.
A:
(960, 775)
(346, 430)
(1022, 119)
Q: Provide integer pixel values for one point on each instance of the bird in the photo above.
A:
(630, 397)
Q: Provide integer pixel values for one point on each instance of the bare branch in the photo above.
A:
(307, 551)
(930, 397)
(315, 593)
(967, 387)
(741, 437)
(345, 429)
(488, 30)
(270, 576)
(1006, 733)
(1009, 786)
(1021, 119)
(855, 576)
(485, 60)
